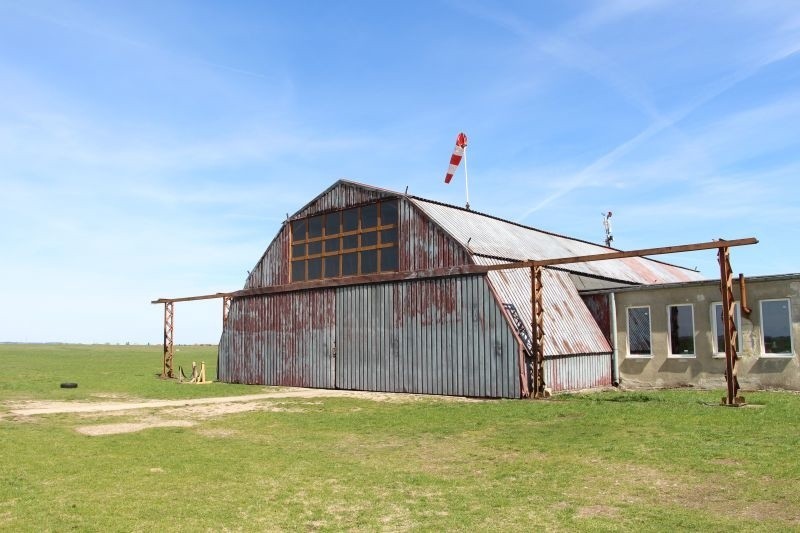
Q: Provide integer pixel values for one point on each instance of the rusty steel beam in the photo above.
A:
(537, 332)
(462, 270)
(729, 327)
(169, 346)
(191, 298)
(622, 255)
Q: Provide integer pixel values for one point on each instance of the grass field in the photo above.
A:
(605, 461)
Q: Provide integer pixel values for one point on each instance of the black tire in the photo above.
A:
(69, 385)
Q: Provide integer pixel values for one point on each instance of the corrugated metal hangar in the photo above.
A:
(369, 289)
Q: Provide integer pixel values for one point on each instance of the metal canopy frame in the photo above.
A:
(537, 307)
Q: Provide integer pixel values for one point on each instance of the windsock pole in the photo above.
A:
(466, 175)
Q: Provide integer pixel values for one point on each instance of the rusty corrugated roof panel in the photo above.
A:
(569, 326)
(489, 236)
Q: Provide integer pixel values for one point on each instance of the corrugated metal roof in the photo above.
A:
(489, 236)
(568, 324)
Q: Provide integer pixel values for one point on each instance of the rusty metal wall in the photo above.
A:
(444, 336)
(425, 245)
(273, 267)
(281, 339)
(576, 372)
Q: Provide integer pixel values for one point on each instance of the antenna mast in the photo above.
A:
(607, 228)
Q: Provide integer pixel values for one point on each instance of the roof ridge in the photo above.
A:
(546, 232)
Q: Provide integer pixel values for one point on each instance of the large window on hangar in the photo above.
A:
(352, 242)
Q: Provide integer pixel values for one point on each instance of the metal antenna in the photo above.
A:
(607, 227)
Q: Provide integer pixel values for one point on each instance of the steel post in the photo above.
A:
(729, 327)
(169, 347)
(537, 331)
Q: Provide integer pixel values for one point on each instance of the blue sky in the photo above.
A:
(152, 149)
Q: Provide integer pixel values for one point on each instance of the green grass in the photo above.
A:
(644, 461)
(35, 371)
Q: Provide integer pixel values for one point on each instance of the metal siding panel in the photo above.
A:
(489, 352)
(386, 325)
(465, 320)
(419, 341)
(279, 339)
(393, 337)
(578, 372)
(469, 344)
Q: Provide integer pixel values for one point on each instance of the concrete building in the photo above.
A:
(670, 335)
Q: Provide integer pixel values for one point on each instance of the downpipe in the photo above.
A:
(612, 304)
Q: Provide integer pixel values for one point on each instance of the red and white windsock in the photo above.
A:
(458, 153)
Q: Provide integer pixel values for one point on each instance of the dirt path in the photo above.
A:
(32, 408)
(147, 414)
(61, 407)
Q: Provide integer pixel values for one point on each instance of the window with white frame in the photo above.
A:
(776, 327)
(639, 332)
(718, 329)
(681, 330)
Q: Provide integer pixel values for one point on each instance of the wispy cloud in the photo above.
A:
(611, 157)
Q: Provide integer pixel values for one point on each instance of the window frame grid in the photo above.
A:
(379, 246)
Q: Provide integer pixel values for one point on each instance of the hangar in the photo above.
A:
(365, 288)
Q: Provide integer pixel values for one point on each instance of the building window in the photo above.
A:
(776, 327)
(639, 332)
(718, 329)
(356, 241)
(681, 330)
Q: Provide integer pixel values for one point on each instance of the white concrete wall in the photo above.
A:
(757, 370)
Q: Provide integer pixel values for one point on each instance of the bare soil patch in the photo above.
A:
(592, 511)
(130, 427)
(186, 413)
(32, 408)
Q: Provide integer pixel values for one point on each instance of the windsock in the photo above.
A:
(458, 154)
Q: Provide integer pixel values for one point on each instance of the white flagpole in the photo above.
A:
(466, 175)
